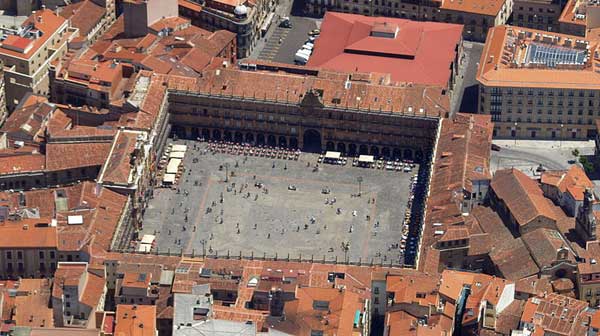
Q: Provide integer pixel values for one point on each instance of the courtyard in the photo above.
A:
(225, 204)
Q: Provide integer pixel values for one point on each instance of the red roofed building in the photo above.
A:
(78, 293)
(26, 56)
(411, 51)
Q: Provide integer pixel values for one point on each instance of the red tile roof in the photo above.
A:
(63, 156)
(45, 21)
(28, 233)
(416, 52)
(84, 15)
(522, 195)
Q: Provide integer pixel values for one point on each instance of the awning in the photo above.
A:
(144, 248)
(173, 166)
(169, 178)
(176, 155)
(148, 239)
(178, 148)
(333, 155)
(366, 159)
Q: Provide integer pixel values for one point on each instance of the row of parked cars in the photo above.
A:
(303, 54)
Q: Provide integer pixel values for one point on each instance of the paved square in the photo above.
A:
(273, 220)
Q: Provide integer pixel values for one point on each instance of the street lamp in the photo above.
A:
(359, 179)
(226, 172)
(516, 133)
(561, 135)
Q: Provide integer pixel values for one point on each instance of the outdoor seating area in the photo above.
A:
(367, 161)
(246, 149)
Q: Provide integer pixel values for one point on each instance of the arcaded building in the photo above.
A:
(311, 109)
(539, 85)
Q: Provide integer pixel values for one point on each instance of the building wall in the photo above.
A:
(536, 14)
(247, 29)
(158, 9)
(536, 113)
(30, 263)
(588, 289)
(284, 124)
(31, 75)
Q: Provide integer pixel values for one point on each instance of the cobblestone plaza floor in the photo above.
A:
(272, 220)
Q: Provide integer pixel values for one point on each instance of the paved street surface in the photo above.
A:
(283, 43)
(527, 155)
(278, 222)
(466, 89)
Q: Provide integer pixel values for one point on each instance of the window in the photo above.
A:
(320, 305)
(316, 333)
(41, 254)
(8, 255)
(19, 255)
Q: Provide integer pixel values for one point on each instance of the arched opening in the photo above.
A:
(227, 135)
(282, 141)
(216, 135)
(408, 155)
(363, 150)
(351, 149)
(179, 131)
(195, 133)
(260, 139)
(375, 151)
(341, 147)
(205, 134)
(271, 140)
(312, 141)
(330, 146)
(397, 153)
(294, 142)
(418, 156)
(238, 137)
(385, 152)
(249, 138)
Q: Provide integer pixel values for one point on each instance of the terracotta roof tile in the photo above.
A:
(415, 52)
(522, 195)
(63, 156)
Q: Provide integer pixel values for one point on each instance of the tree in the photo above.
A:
(587, 165)
(575, 152)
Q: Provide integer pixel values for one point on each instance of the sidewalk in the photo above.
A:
(544, 144)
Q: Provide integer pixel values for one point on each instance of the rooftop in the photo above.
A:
(134, 320)
(366, 92)
(522, 195)
(39, 28)
(521, 57)
(461, 157)
(411, 51)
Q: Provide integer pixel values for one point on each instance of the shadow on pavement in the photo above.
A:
(469, 99)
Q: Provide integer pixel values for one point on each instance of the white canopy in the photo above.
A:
(178, 148)
(176, 155)
(366, 158)
(169, 178)
(148, 239)
(144, 248)
(332, 155)
(173, 166)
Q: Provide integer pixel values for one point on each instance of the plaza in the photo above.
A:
(227, 204)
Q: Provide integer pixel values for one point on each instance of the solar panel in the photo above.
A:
(552, 56)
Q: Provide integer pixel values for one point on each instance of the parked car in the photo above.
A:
(314, 32)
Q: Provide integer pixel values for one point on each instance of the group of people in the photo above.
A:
(247, 149)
